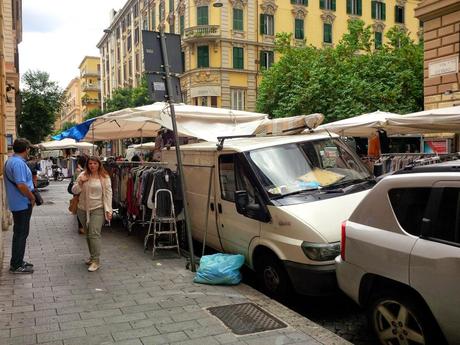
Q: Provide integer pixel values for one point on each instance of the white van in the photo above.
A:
(279, 201)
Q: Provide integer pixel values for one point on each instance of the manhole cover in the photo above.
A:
(246, 318)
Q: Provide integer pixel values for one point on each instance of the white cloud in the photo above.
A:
(58, 34)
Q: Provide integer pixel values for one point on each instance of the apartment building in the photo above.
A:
(10, 37)
(72, 111)
(90, 75)
(227, 44)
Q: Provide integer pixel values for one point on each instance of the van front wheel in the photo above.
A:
(272, 276)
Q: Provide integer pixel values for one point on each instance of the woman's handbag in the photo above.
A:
(73, 204)
(69, 187)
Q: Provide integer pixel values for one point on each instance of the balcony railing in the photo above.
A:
(90, 87)
(201, 31)
(86, 101)
(85, 74)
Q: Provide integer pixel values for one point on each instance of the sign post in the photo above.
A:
(169, 93)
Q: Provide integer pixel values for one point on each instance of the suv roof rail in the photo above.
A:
(451, 166)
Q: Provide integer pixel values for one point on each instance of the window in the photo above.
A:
(299, 2)
(202, 15)
(267, 24)
(238, 58)
(378, 40)
(233, 177)
(171, 6)
(399, 14)
(354, 7)
(135, 10)
(238, 19)
(214, 101)
(237, 98)
(327, 5)
(299, 25)
(182, 25)
(446, 224)
(409, 205)
(327, 33)
(203, 56)
(128, 43)
(136, 36)
(154, 19)
(266, 59)
(378, 10)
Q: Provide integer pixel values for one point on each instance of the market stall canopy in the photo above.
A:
(193, 121)
(429, 121)
(289, 125)
(148, 146)
(64, 144)
(361, 126)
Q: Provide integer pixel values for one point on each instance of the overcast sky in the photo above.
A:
(58, 34)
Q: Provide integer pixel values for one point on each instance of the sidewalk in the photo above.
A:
(131, 300)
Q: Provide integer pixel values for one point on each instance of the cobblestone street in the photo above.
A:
(131, 300)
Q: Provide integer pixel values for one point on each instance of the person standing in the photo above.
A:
(94, 206)
(19, 187)
(81, 164)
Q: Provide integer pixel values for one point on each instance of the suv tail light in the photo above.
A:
(342, 242)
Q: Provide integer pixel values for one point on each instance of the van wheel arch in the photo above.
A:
(271, 274)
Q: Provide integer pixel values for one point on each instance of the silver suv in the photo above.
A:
(400, 256)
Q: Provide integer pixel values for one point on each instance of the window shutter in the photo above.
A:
(262, 24)
(403, 15)
(373, 9)
(349, 6)
(271, 58)
(333, 5)
(321, 4)
(359, 7)
(262, 60)
(384, 16)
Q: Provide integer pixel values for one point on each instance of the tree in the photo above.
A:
(129, 97)
(93, 113)
(347, 80)
(67, 125)
(42, 99)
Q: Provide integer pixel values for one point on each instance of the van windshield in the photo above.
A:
(305, 166)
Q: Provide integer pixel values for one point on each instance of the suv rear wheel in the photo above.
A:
(398, 319)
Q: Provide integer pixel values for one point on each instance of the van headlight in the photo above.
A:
(321, 251)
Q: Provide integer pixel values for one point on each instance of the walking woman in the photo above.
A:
(94, 206)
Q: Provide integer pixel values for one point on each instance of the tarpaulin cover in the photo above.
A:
(64, 144)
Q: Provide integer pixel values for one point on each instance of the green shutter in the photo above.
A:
(238, 58)
(373, 9)
(202, 15)
(349, 7)
(299, 26)
(182, 24)
(321, 4)
(262, 24)
(333, 5)
(262, 60)
(171, 6)
(203, 56)
(384, 15)
(238, 19)
(403, 15)
(360, 7)
(271, 58)
(378, 40)
(327, 33)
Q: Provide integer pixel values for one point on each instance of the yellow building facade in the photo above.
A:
(72, 110)
(225, 49)
(90, 77)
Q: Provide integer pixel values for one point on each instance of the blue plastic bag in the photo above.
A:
(219, 269)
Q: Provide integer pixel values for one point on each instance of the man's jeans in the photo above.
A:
(20, 232)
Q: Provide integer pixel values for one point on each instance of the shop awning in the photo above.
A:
(64, 144)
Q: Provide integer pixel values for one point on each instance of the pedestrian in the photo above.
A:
(94, 206)
(81, 164)
(19, 187)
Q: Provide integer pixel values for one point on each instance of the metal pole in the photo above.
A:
(169, 90)
(207, 211)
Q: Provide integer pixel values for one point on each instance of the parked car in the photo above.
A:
(278, 201)
(400, 256)
(42, 181)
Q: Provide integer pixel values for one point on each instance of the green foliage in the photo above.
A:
(348, 80)
(67, 125)
(42, 99)
(128, 98)
(92, 113)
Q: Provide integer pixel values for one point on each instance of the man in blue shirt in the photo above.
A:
(19, 187)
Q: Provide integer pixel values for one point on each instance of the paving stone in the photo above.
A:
(15, 332)
(90, 340)
(57, 318)
(135, 333)
(81, 323)
(177, 326)
(70, 333)
(164, 338)
(21, 340)
(125, 318)
(200, 341)
(100, 314)
(108, 329)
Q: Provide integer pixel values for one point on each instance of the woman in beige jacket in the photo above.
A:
(94, 206)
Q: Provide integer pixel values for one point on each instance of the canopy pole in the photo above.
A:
(169, 89)
(92, 147)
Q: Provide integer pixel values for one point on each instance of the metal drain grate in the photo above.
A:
(246, 318)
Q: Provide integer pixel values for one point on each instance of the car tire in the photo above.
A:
(272, 276)
(398, 318)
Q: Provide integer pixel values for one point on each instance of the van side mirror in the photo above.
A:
(253, 211)
(241, 201)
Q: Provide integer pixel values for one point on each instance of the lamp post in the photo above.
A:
(170, 92)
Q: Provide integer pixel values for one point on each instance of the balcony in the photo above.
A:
(89, 87)
(87, 101)
(87, 74)
(201, 32)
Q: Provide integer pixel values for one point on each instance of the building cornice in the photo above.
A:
(430, 9)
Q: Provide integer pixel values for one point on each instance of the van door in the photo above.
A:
(236, 231)
(435, 258)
